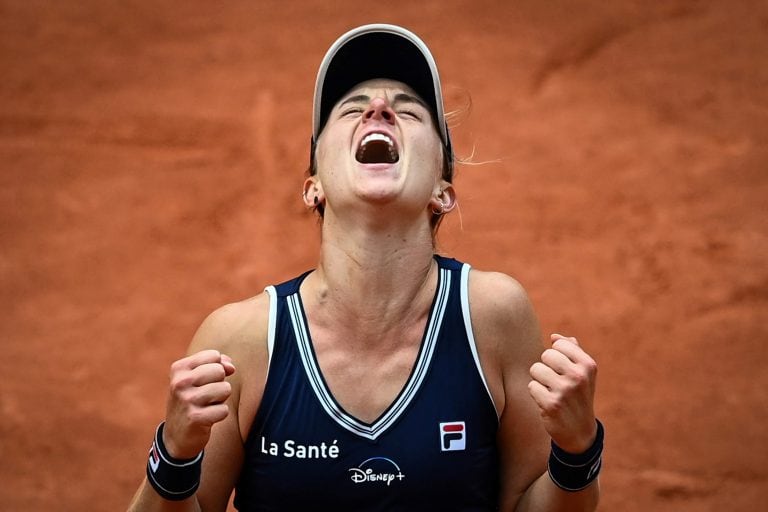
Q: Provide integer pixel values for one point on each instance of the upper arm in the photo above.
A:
(239, 331)
(509, 341)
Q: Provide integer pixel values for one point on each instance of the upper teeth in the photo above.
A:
(376, 136)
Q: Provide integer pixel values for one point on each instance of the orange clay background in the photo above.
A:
(152, 156)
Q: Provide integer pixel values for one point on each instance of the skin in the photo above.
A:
(369, 323)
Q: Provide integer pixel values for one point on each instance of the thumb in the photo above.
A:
(554, 337)
(229, 366)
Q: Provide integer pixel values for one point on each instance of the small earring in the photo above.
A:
(441, 210)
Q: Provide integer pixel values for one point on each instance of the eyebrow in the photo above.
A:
(400, 97)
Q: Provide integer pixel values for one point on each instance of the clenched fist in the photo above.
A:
(198, 392)
(563, 386)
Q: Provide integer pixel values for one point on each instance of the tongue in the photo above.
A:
(376, 152)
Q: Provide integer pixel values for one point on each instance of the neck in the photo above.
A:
(373, 278)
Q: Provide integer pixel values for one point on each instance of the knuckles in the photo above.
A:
(549, 356)
(536, 368)
(182, 378)
(579, 376)
(180, 383)
(178, 366)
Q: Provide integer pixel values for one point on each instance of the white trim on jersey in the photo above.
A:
(390, 416)
(272, 328)
(470, 333)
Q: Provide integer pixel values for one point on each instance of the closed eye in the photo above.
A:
(409, 114)
(351, 111)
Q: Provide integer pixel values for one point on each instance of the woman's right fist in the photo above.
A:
(198, 392)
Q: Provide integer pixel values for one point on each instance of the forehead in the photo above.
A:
(380, 88)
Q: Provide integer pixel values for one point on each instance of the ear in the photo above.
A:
(313, 192)
(444, 198)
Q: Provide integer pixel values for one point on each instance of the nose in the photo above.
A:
(379, 110)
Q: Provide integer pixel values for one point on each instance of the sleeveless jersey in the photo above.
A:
(434, 448)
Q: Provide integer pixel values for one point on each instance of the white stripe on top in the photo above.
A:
(272, 328)
(468, 326)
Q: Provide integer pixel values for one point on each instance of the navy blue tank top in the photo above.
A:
(434, 448)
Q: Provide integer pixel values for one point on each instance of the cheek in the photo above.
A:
(431, 155)
(330, 148)
(325, 160)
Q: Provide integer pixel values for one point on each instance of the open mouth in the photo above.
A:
(377, 148)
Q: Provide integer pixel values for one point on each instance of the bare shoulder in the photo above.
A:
(234, 328)
(495, 291)
(503, 316)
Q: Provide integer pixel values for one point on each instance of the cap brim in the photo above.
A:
(377, 51)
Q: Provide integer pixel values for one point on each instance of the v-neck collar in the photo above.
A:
(315, 377)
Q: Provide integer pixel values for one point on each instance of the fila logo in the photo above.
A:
(453, 436)
(154, 458)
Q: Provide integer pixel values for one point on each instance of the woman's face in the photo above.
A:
(379, 146)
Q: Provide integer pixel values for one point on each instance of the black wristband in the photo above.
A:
(173, 479)
(574, 472)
